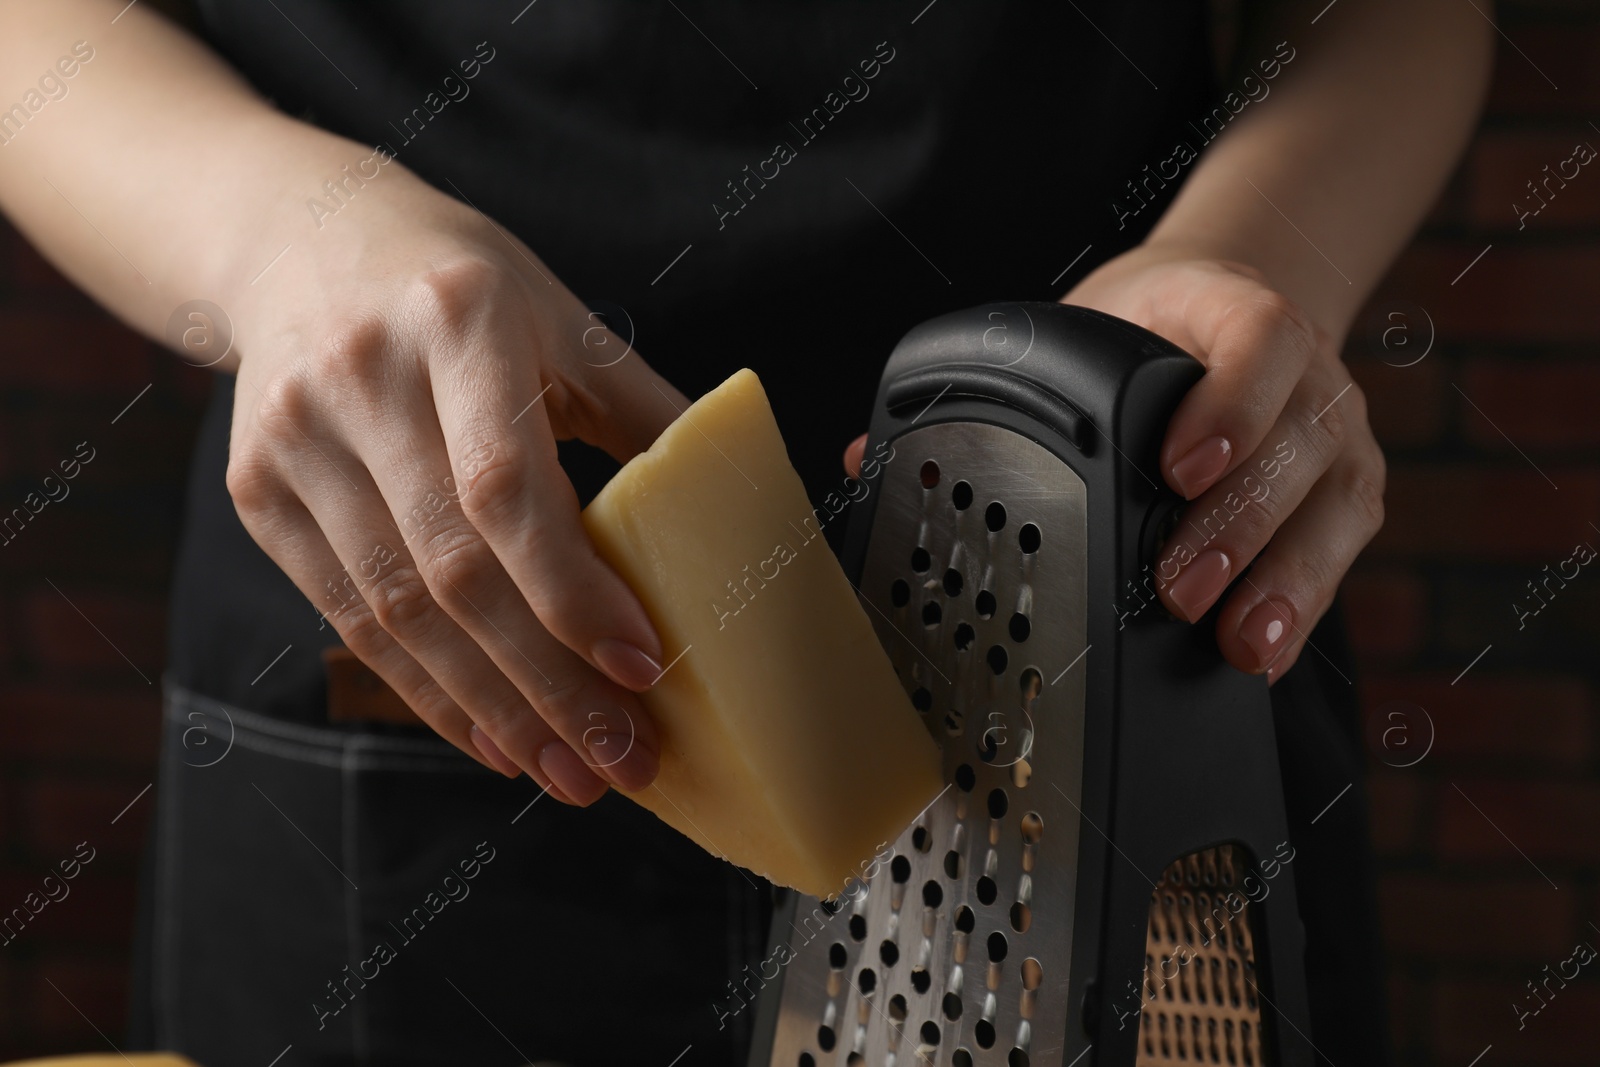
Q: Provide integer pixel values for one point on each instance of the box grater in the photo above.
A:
(1106, 878)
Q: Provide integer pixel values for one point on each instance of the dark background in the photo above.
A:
(1475, 510)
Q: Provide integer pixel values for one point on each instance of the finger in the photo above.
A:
(1257, 345)
(395, 604)
(512, 488)
(600, 720)
(1221, 532)
(612, 398)
(852, 456)
(1264, 623)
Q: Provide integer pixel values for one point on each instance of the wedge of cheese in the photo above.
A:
(788, 746)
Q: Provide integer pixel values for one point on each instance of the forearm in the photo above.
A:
(157, 175)
(1321, 183)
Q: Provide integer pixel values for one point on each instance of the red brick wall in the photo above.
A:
(1493, 442)
(1469, 913)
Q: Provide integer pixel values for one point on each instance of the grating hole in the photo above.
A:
(997, 655)
(858, 927)
(966, 778)
(965, 635)
(961, 496)
(989, 744)
(920, 980)
(855, 1059)
(832, 906)
(1020, 627)
(867, 982)
(1018, 1058)
(837, 957)
(953, 720)
(899, 593)
(997, 946)
(807, 1060)
(952, 1007)
(931, 614)
(921, 839)
(921, 699)
(983, 1033)
(897, 1008)
(932, 893)
(965, 919)
(930, 474)
(962, 1058)
(825, 1038)
(994, 516)
(985, 604)
(998, 803)
(889, 953)
(1030, 683)
(952, 864)
(1032, 973)
(1021, 771)
(900, 869)
(952, 582)
(920, 560)
(986, 891)
(1028, 537)
(930, 1033)
(1021, 917)
(1032, 828)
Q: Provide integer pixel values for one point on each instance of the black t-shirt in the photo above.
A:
(783, 186)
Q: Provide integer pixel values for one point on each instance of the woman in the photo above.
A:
(421, 244)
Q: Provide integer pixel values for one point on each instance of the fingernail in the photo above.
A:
(1265, 630)
(491, 752)
(1199, 583)
(568, 773)
(626, 664)
(621, 758)
(1202, 465)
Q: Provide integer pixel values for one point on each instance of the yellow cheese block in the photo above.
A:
(138, 1059)
(787, 743)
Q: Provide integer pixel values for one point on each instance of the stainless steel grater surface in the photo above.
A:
(959, 951)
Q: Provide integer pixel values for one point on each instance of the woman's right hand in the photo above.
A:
(404, 374)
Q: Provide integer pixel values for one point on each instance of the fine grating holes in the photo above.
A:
(952, 864)
(994, 516)
(1030, 683)
(989, 744)
(931, 614)
(921, 839)
(932, 893)
(1032, 973)
(1032, 828)
(1021, 917)
(897, 1008)
(837, 956)
(986, 890)
(867, 981)
(920, 979)
(964, 635)
(1020, 627)
(998, 803)
(930, 474)
(966, 778)
(983, 1033)
(807, 1060)
(952, 1006)
(966, 921)
(920, 560)
(961, 495)
(825, 1038)
(930, 1033)
(997, 947)
(899, 593)
(997, 656)
(1028, 537)
(889, 953)
(952, 582)
(962, 1058)
(985, 603)
(953, 722)
(900, 869)
(1018, 1058)
(858, 927)
(921, 699)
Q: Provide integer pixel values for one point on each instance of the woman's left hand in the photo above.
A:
(1271, 447)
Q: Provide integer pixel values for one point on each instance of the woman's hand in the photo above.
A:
(404, 376)
(1271, 447)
